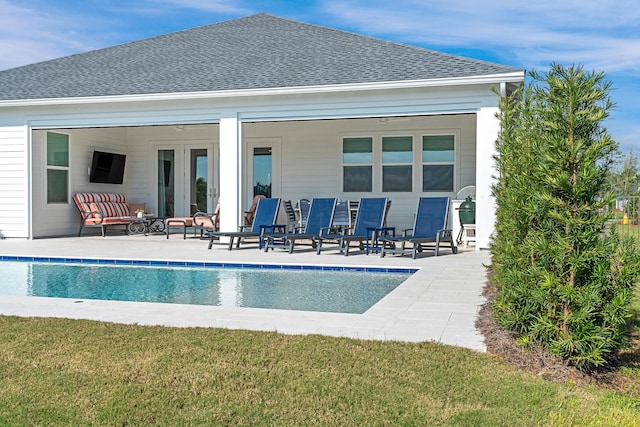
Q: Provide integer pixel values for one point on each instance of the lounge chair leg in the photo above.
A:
(230, 242)
(318, 247)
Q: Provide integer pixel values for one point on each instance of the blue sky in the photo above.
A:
(600, 35)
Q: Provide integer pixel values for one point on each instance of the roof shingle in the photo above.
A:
(257, 51)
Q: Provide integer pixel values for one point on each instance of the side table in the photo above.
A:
(374, 234)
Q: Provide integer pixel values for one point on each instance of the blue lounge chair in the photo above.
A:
(341, 218)
(430, 226)
(265, 216)
(371, 215)
(303, 211)
(321, 212)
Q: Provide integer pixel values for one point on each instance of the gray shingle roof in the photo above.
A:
(257, 51)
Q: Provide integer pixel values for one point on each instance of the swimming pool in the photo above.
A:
(309, 288)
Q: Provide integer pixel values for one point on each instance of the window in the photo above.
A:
(438, 158)
(57, 168)
(262, 171)
(397, 157)
(357, 160)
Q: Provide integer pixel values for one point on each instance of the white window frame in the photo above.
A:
(409, 163)
(453, 163)
(54, 167)
(369, 164)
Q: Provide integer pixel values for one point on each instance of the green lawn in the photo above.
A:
(67, 372)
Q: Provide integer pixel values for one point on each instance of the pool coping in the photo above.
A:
(207, 264)
(439, 302)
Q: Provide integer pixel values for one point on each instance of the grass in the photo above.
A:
(70, 372)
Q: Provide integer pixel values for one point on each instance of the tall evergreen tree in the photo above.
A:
(564, 278)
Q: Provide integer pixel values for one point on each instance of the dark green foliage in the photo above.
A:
(564, 277)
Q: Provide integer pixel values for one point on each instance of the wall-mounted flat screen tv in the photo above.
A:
(107, 168)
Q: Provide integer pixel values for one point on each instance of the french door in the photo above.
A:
(263, 167)
(186, 179)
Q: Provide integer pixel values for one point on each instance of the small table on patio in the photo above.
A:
(375, 233)
(145, 224)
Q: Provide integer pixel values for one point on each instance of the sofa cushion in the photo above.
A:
(111, 205)
(93, 207)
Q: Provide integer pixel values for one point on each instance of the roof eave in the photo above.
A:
(511, 77)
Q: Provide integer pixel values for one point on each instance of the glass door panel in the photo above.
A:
(199, 181)
(262, 171)
(166, 183)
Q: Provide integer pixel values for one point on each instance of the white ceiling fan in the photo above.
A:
(182, 128)
(386, 120)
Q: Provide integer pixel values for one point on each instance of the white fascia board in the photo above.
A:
(360, 111)
(514, 77)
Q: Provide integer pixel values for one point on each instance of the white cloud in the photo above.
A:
(28, 35)
(216, 6)
(32, 30)
(600, 35)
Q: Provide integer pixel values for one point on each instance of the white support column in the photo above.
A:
(230, 171)
(487, 129)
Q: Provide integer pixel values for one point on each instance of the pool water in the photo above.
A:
(309, 290)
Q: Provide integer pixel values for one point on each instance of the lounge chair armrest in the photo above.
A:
(95, 215)
(445, 232)
(203, 215)
(273, 228)
(405, 232)
(326, 231)
(244, 227)
(343, 231)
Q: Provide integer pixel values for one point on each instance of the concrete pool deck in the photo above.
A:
(438, 303)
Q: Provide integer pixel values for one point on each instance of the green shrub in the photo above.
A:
(564, 278)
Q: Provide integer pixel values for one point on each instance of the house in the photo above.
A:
(259, 103)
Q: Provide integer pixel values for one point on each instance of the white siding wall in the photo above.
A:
(141, 170)
(139, 185)
(309, 148)
(311, 157)
(64, 219)
(14, 190)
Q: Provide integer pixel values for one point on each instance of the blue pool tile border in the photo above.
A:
(158, 263)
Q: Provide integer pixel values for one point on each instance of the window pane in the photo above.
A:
(357, 150)
(437, 178)
(198, 182)
(397, 149)
(357, 178)
(57, 149)
(57, 186)
(438, 148)
(396, 178)
(262, 171)
(166, 180)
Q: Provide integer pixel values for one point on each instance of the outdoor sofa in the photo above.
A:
(104, 210)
